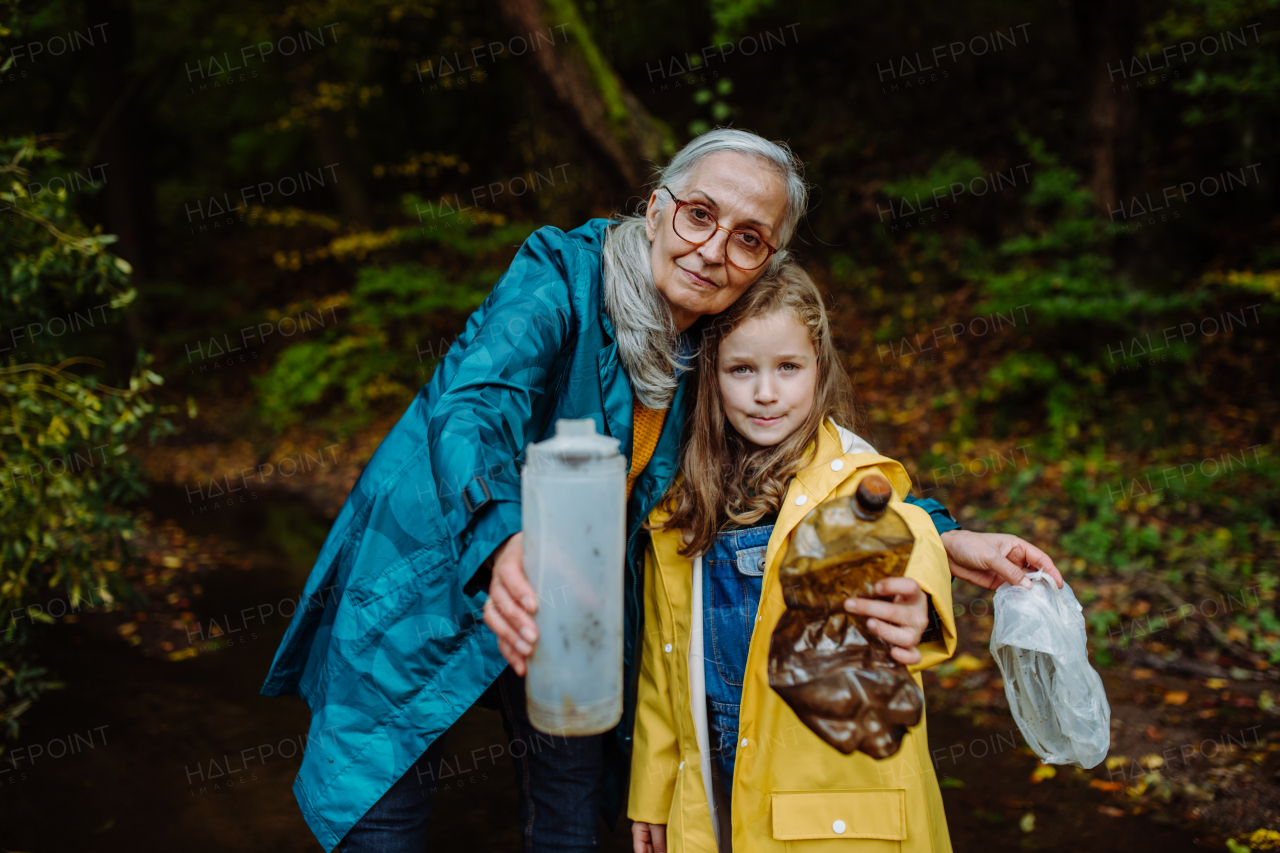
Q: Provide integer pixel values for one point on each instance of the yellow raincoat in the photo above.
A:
(791, 791)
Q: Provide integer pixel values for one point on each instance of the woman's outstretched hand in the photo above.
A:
(648, 837)
(511, 604)
(901, 622)
(989, 559)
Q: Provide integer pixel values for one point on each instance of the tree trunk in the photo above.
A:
(120, 146)
(329, 138)
(120, 138)
(580, 81)
(1108, 31)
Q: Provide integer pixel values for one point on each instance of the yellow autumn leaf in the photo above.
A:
(1175, 697)
(1044, 771)
(967, 663)
(58, 429)
(1264, 839)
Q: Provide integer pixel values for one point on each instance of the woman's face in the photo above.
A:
(768, 373)
(744, 194)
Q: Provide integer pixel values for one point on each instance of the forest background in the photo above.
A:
(236, 237)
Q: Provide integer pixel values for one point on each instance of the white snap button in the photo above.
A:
(667, 648)
(744, 742)
(837, 464)
(800, 500)
(838, 827)
(681, 765)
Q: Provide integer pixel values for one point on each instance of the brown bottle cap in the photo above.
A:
(873, 494)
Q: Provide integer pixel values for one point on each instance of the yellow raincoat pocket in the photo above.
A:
(866, 819)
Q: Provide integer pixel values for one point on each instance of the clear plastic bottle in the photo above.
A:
(573, 490)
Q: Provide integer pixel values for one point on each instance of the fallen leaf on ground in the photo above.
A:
(1154, 734)
(1105, 786)
(1110, 811)
(1175, 697)
(1144, 673)
(1264, 839)
(1216, 683)
(1044, 771)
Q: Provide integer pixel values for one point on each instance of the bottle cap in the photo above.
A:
(575, 442)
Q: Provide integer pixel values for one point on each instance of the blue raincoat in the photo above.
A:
(388, 646)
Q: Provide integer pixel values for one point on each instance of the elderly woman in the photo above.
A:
(418, 601)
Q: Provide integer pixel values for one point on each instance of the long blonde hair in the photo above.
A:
(727, 478)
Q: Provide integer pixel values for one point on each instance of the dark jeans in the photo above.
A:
(559, 780)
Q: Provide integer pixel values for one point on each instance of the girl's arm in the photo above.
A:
(901, 622)
(927, 580)
(655, 755)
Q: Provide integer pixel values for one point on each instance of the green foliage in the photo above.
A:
(63, 436)
(1232, 86)
(950, 167)
(395, 335)
(731, 16)
(1083, 311)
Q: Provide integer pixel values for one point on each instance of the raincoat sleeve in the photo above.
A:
(929, 568)
(942, 517)
(655, 757)
(482, 420)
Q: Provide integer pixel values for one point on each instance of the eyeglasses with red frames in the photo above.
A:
(695, 224)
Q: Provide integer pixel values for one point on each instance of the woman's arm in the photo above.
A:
(989, 559)
(493, 378)
(986, 559)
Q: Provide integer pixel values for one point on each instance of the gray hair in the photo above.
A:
(646, 333)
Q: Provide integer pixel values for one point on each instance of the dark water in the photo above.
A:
(188, 756)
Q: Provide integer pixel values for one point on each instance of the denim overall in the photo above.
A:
(732, 577)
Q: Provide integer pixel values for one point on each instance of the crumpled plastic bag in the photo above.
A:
(1056, 697)
(836, 676)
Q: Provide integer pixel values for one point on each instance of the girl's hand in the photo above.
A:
(648, 837)
(901, 622)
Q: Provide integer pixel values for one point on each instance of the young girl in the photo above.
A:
(715, 747)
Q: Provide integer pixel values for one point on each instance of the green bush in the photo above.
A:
(393, 339)
(64, 436)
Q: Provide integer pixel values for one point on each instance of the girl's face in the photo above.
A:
(768, 372)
